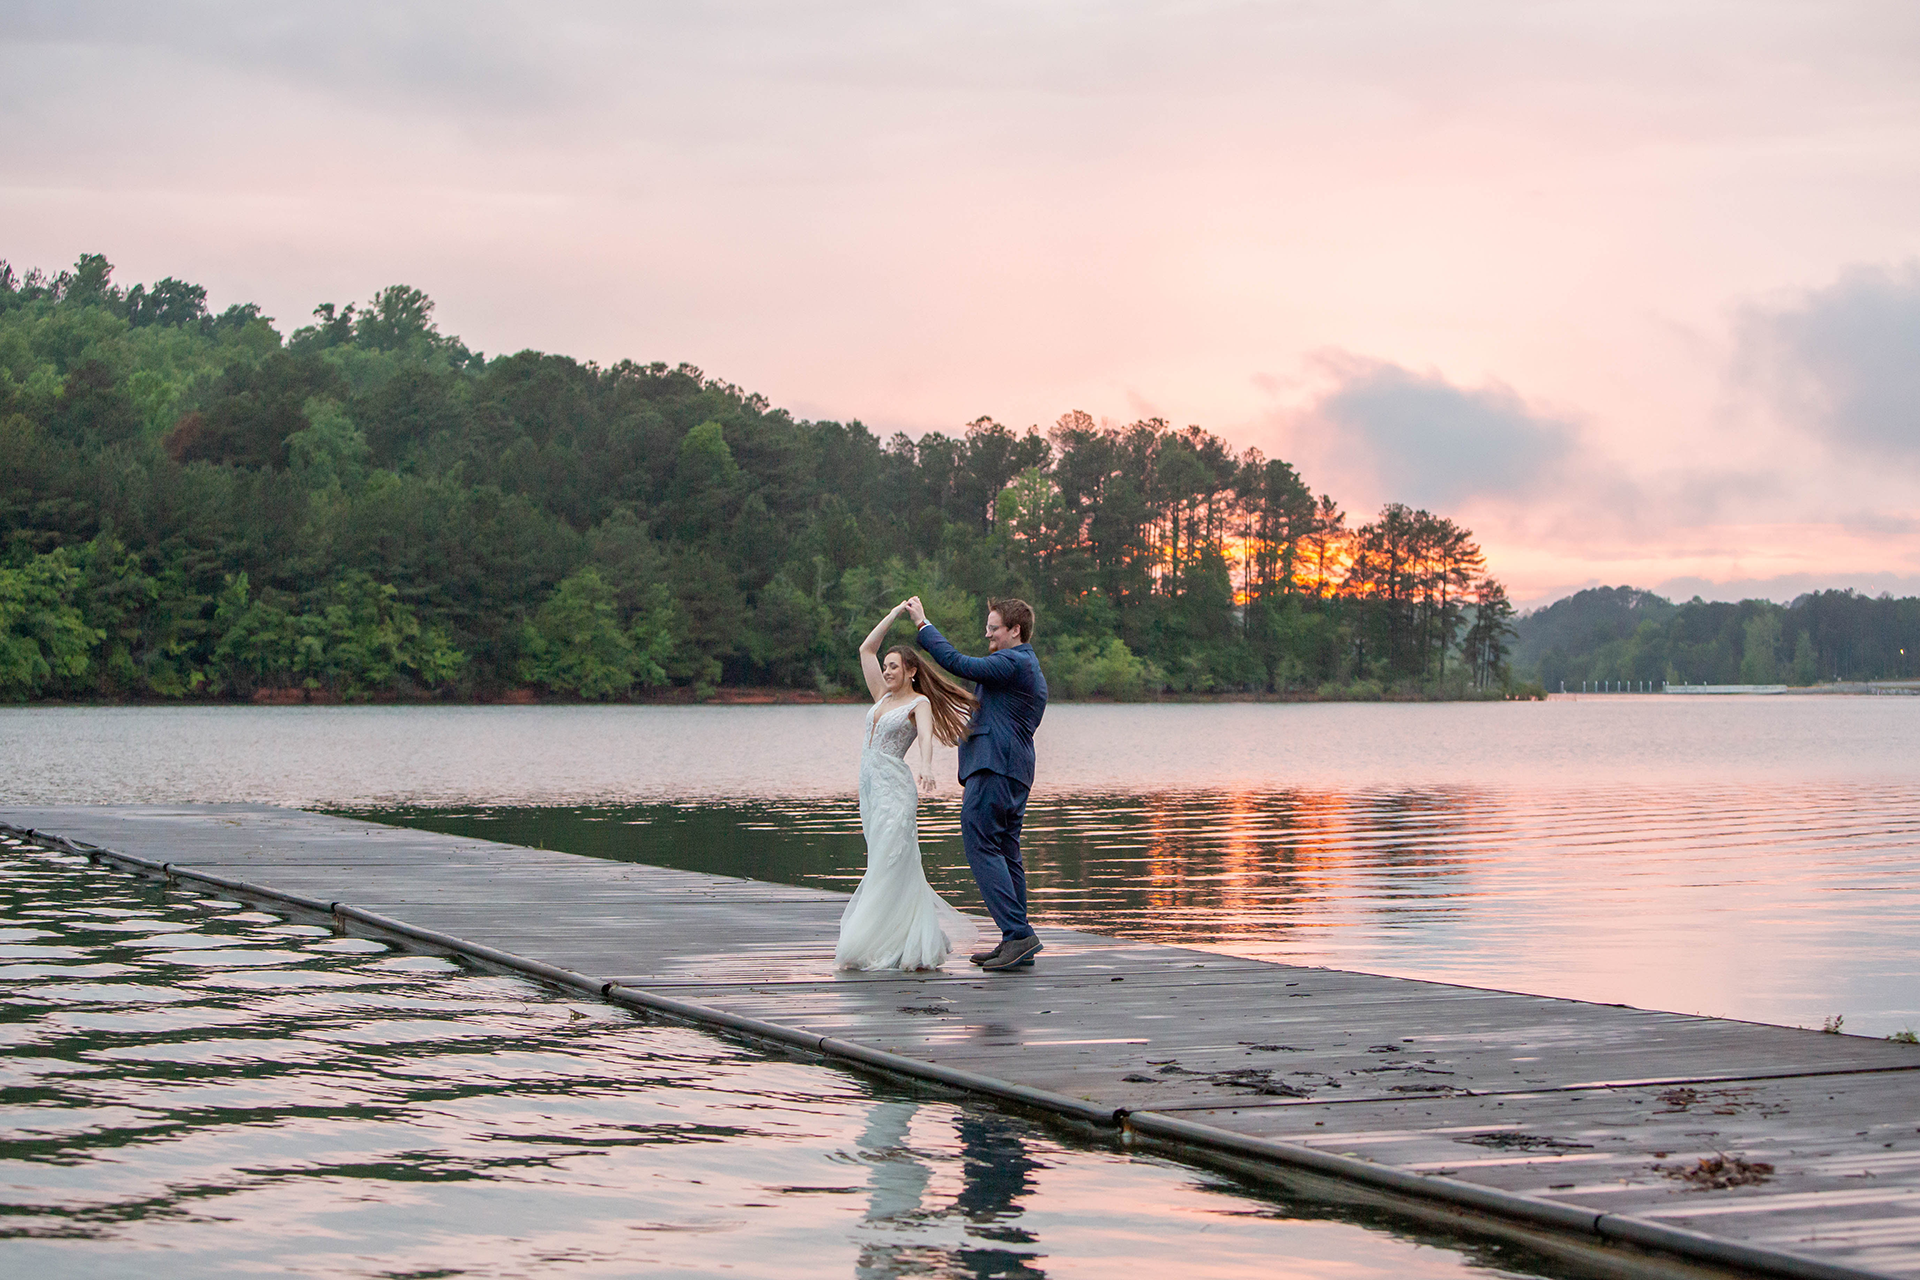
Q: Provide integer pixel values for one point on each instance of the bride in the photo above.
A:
(896, 920)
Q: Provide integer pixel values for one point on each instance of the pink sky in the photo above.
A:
(1633, 289)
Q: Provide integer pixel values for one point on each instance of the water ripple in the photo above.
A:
(334, 1108)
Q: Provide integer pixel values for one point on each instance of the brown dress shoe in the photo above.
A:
(981, 957)
(1018, 951)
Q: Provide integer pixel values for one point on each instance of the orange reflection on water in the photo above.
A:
(1773, 902)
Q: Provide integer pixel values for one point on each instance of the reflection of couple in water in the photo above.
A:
(996, 1176)
(896, 920)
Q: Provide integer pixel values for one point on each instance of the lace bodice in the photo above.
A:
(892, 732)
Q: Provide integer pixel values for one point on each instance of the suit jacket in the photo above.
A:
(1012, 697)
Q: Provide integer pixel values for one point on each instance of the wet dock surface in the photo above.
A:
(1782, 1139)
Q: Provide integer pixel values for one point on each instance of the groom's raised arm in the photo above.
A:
(994, 669)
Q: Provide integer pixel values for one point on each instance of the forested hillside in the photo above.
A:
(194, 506)
(1620, 633)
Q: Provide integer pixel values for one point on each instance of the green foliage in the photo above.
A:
(253, 412)
(1621, 634)
(792, 636)
(653, 632)
(364, 638)
(43, 637)
(576, 643)
(1486, 638)
(1806, 666)
(197, 508)
(1757, 665)
(1356, 691)
(331, 453)
(260, 641)
(360, 640)
(1087, 668)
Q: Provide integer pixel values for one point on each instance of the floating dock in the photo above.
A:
(1630, 1142)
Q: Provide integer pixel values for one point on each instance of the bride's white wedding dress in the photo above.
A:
(896, 920)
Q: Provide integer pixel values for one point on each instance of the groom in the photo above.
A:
(996, 765)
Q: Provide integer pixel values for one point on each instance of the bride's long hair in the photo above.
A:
(952, 706)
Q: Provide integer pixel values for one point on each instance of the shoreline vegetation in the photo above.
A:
(771, 695)
(200, 508)
(197, 508)
(1625, 635)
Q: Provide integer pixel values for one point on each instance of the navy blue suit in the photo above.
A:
(996, 769)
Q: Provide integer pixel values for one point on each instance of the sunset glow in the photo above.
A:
(1631, 291)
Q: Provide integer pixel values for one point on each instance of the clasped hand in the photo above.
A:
(927, 783)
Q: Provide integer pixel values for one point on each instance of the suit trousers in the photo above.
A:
(992, 808)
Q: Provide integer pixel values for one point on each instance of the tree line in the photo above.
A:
(1624, 634)
(195, 506)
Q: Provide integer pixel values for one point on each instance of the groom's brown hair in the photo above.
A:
(1017, 614)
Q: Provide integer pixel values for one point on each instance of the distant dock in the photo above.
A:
(1635, 1143)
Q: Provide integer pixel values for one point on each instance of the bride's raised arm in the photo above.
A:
(870, 652)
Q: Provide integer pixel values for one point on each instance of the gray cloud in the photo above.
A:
(1844, 361)
(1433, 443)
(484, 56)
(1074, 78)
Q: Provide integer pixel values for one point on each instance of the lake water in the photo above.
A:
(1750, 858)
(195, 1088)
